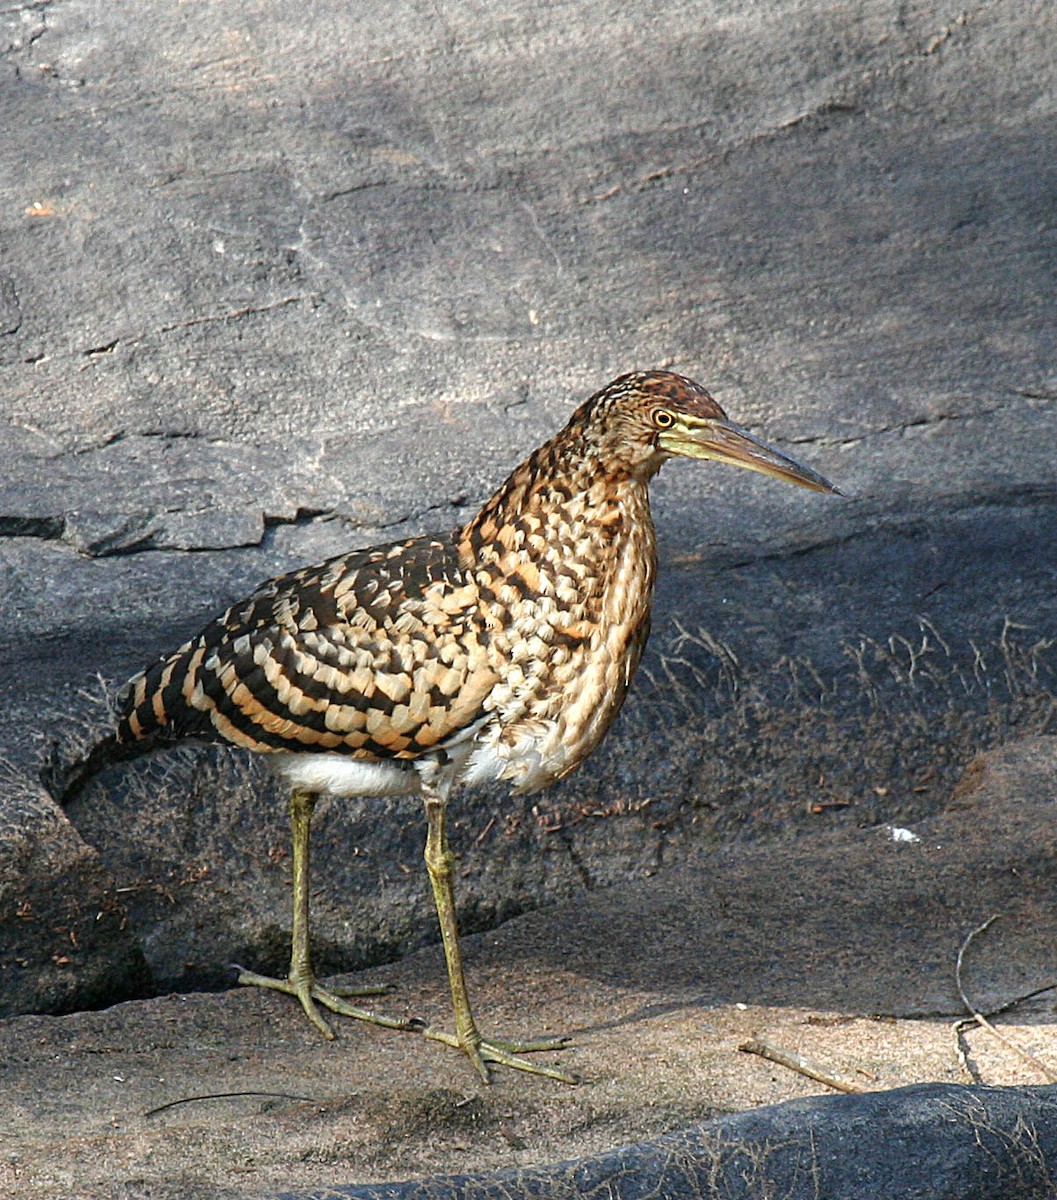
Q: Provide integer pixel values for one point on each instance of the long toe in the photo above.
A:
(311, 994)
(336, 1002)
(481, 1051)
(558, 1043)
(497, 1052)
(373, 989)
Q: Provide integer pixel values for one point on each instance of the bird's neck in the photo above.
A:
(562, 559)
(566, 525)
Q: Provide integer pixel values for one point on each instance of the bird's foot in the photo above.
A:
(481, 1051)
(311, 994)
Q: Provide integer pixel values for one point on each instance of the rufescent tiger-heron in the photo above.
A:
(499, 651)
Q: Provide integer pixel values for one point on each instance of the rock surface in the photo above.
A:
(277, 280)
(842, 948)
(988, 1143)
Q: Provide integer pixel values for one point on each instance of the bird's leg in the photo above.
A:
(301, 982)
(439, 864)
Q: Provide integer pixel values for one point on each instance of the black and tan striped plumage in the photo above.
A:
(398, 650)
(502, 650)
(378, 653)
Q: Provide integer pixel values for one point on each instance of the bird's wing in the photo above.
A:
(379, 653)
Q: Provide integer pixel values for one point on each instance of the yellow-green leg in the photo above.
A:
(439, 863)
(301, 982)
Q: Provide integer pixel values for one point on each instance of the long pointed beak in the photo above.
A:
(726, 442)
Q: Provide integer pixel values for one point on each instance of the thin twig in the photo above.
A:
(981, 1019)
(800, 1064)
(959, 1027)
(153, 1112)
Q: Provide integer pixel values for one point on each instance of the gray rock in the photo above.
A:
(62, 947)
(760, 720)
(271, 287)
(929, 1142)
(842, 946)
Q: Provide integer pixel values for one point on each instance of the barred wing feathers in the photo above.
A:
(379, 653)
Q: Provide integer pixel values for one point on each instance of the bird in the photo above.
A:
(500, 650)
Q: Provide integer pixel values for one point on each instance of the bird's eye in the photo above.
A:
(662, 418)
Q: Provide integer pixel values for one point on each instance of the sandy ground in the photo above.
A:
(382, 1106)
(841, 948)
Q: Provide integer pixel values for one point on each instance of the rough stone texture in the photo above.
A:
(840, 947)
(284, 278)
(275, 284)
(930, 1142)
(60, 947)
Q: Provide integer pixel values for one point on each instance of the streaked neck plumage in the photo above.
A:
(564, 559)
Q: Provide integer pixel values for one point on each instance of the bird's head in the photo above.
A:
(639, 421)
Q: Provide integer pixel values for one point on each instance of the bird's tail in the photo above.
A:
(142, 718)
(64, 776)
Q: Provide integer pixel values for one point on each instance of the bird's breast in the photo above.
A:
(564, 655)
